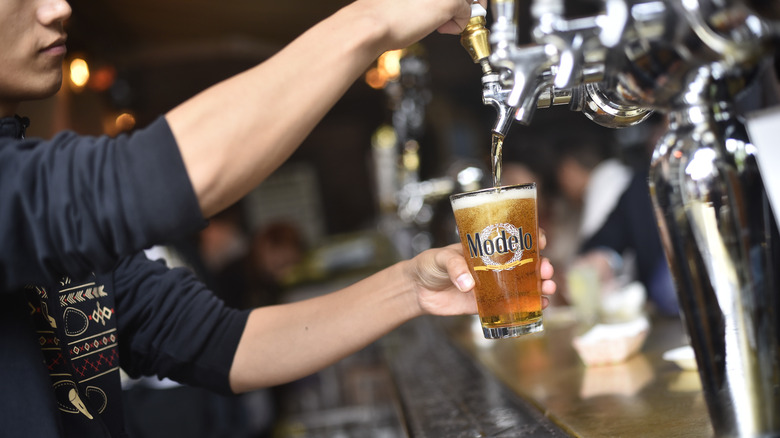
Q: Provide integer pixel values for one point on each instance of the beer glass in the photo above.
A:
(499, 232)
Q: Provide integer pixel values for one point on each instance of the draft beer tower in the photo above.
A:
(694, 61)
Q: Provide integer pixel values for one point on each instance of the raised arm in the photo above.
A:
(246, 126)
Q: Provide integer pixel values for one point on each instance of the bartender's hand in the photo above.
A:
(305, 336)
(404, 22)
(445, 286)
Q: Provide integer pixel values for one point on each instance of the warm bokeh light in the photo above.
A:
(102, 79)
(79, 72)
(388, 68)
(374, 79)
(391, 63)
(125, 122)
(115, 123)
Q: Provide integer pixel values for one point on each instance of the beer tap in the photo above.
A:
(568, 54)
(528, 66)
(691, 60)
(474, 39)
(565, 64)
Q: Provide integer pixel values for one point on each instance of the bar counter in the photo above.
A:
(437, 377)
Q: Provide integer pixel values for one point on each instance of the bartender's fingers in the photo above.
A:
(441, 268)
(542, 239)
(546, 270)
(458, 22)
(444, 285)
(457, 269)
(548, 285)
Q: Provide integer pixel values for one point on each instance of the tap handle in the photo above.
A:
(477, 10)
(474, 37)
(570, 61)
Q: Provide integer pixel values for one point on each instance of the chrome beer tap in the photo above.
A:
(724, 251)
(475, 39)
(565, 64)
(692, 60)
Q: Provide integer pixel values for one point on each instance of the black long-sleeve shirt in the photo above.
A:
(79, 300)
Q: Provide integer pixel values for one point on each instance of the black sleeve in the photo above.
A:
(632, 225)
(171, 325)
(77, 204)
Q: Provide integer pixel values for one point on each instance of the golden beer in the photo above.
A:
(499, 232)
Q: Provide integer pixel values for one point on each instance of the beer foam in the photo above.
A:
(491, 196)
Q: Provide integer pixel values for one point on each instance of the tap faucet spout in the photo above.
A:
(495, 95)
(475, 39)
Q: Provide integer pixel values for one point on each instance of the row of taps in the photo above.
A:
(616, 66)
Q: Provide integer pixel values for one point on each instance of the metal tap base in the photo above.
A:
(722, 243)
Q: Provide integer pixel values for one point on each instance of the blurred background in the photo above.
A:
(367, 187)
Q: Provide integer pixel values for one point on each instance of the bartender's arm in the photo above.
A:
(248, 125)
(286, 342)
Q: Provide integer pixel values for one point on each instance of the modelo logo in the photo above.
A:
(499, 239)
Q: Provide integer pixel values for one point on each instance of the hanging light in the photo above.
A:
(79, 73)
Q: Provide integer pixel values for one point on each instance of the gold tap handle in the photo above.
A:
(474, 37)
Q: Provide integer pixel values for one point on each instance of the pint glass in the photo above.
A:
(499, 232)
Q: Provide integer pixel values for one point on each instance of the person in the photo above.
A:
(80, 299)
(618, 235)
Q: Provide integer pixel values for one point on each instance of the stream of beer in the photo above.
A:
(496, 155)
